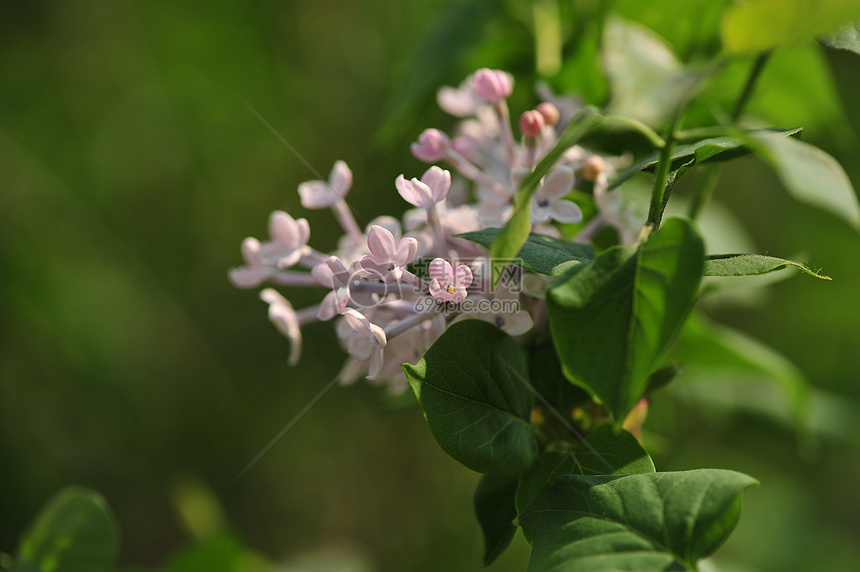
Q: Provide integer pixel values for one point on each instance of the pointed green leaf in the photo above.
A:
(472, 385)
(655, 521)
(606, 451)
(751, 265)
(846, 39)
(515, 232)
(713, 149)
(758, 25)
(539, 253)
(810, 175)
(74, 532)
(494, 506)
(612, 319)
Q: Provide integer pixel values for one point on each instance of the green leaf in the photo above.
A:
(221, 552)
(539, 253)
(729, 369)
(607, 450)
(548, 380)
(810, 175)
(494, 506)
(751, 265)
(655, 521)
(516, 231)
(846, 39)
(712, 149)
(612, 319)
(648, 82)
(472, 385)
(758, 25)
(74, 532)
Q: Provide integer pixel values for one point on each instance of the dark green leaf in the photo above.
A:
(494, 506)
(759, 25)
(539, 253)
(606, 451)
(712, 149)
(548, 380)
(74, 532)
(609, 450)
(750, 265)
(516, 231)
(472, 387)
(613, 318)
(655, 521)
(847, 39)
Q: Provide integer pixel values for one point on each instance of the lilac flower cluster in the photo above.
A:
(389, 311)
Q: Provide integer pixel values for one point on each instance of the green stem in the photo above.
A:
(629, 123)
(760, 61)
(655, 214)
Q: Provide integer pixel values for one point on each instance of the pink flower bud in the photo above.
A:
(431, 146)
(493, 85)
(550, 112)
(531, 123)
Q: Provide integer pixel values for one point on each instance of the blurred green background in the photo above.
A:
(130, 171)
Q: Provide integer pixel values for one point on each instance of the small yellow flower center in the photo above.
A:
(450, 289)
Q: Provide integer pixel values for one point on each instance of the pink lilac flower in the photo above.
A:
(255, 271)
(448, 284)
(431, 189)
(498, 312)
(290, 237)
(432, 146)
(321, 194)
(493, 85)
(366, 342)
(281, 314)
(332, 273)
(547, 200)
(387, 257)
(462, 101)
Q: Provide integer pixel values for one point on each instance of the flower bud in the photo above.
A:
(550, 113)
(431, 146)
(592, 167)
(493, 85)
(531, 123)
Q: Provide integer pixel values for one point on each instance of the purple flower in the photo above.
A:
(448, 284)
(321, 194)
(387, 258)
(462, 101)
(366, 341)
(290, 237)
(493, 85)
(334, 274)
(281, 314)
(546, 201)
(432, 146)
(432, 188)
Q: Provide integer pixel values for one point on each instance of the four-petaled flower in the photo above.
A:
(546, 201)
(334, 274)
(290, 236)
(321, 194)
(387, 257)
(281, 314)
(366, 341)
(448, 284)
(432, 188)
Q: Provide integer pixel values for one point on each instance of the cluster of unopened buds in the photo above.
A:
(396, 286)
